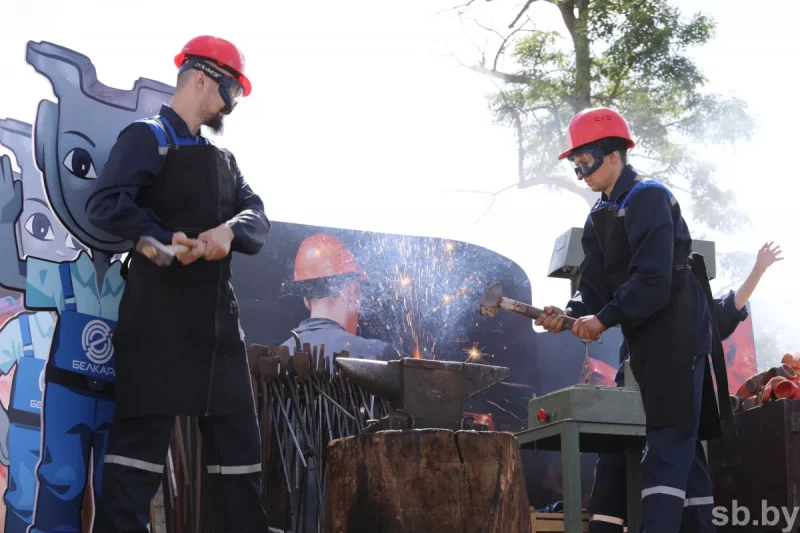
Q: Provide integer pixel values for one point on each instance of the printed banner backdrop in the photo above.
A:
(740, 354)
(420, 296)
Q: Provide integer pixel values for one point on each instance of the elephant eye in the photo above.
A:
(39, 226)
(80, 163)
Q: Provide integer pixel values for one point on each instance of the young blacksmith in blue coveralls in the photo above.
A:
(639, 272)
(607, 504)
(178, 342)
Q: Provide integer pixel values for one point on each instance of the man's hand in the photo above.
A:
(218, 242)
(588, 328)
(767, 255)
(196, 248)
(552, 320)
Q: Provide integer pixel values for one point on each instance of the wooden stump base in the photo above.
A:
(426, 480)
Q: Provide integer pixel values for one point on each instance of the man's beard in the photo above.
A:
(215, 124)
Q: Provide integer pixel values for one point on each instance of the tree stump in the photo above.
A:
(426, 480)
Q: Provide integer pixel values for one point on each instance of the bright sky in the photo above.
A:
(360, 118)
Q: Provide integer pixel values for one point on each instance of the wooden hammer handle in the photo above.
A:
(178, 248)
(528, 311)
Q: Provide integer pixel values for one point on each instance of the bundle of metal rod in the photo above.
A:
(183, 479)
(303, 404)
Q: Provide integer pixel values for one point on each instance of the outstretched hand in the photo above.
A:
(767, 255)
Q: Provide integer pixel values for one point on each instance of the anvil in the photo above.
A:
(422, 393)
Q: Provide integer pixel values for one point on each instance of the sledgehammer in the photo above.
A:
(159, 253)
(493, 300)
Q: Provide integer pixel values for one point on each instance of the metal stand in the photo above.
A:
(572, 438)
(593, 420)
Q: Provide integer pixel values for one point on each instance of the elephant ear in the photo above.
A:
(16, 136)
(70, 72)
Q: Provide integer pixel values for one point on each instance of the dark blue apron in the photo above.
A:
(180, 348)
(663, 348)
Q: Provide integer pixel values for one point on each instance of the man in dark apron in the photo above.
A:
(179, 346)
(607, 504)
(639, 273)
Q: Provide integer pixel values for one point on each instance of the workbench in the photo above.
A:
(590, 419)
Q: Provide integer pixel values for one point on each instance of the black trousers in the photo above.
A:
(136, 458)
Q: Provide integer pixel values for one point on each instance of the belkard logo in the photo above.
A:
(96, 342)
(83, 366)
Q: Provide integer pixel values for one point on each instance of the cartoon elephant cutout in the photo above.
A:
(26, 338)
(72, 140)
(39, 233)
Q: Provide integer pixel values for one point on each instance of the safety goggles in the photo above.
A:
(594, 156)
(229, 88)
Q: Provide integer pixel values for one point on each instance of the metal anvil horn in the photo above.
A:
(422, 393)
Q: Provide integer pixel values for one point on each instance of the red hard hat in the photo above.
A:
(323, 255)
(223, 52)
(591, 125)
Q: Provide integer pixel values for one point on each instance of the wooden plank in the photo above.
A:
(552, 522)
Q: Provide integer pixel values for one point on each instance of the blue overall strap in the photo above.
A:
(66, 287)
(27, 340)
(168, 139)
(164, 137)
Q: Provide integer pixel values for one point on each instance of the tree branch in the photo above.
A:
(618, 82)
(492, 194)
(505, 39)
(560, 182)
(460, 9)
(492, 30)
(647, 157)
(523, 10)
(502, 47)
(508, 78)
(679, 122)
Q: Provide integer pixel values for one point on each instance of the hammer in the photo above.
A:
(158, 253)
(493, 300)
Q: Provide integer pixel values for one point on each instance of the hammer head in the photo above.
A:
(490, 301)
(431, 393)
(155, 251)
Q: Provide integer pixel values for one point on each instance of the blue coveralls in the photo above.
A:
(26, 340)
(607, 504)
(78, 404)
(638, 273)
(319, 331)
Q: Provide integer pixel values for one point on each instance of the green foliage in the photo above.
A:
(632, 55)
